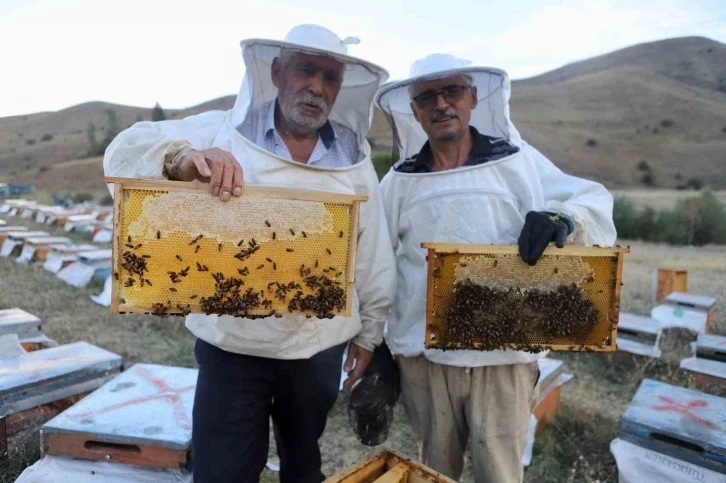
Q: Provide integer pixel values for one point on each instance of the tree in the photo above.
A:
(157, 113)
(139, 118)
(92, 143)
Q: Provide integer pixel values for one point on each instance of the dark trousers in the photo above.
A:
(235, 397)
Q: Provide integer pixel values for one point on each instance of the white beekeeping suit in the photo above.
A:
(140, 152)
(486, 203)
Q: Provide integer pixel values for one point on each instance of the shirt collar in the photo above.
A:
(326, 132)
(480, 148)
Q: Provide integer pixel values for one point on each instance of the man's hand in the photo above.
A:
(215, 166)
(361, 357)
(541, 228)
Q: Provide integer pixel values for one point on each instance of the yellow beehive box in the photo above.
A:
(484, 297)
(272, 251)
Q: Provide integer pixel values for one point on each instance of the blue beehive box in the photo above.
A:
(678, 422)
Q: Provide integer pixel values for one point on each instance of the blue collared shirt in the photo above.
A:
(337, 146)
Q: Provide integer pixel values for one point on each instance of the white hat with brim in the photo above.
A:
(317, 40)
(490, 117)
(360, 82)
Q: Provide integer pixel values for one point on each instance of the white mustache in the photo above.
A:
(313, 100)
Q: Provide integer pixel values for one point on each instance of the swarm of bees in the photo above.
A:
(487, 318)
(325, 298)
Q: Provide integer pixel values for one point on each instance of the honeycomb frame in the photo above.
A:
(601, 286)
(139, 209)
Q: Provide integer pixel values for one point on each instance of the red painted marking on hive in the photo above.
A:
(685, 410)
(171, 394)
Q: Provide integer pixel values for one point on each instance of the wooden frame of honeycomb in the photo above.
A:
(388, 466)
(484, 297)
(270, 252)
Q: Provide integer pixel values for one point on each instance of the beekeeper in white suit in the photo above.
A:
(466, 176)
(300, 120)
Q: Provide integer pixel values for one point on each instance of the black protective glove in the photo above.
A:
(541, 228)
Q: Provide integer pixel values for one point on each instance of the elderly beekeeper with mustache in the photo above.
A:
(466, 176)
(300, 120)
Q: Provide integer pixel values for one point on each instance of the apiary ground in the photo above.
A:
(575, 448)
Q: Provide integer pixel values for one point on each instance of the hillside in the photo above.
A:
(661, 102)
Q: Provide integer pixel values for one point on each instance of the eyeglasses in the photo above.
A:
(453, 93)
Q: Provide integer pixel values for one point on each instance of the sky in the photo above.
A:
(58, 53)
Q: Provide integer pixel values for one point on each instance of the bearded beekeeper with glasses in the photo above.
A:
(466, 176)
(300, 121)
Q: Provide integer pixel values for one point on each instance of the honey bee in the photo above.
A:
(292, 232)
(172, 289)
(289, 249)
(340, 235)
(158, 235)
(260, 266)
(304, 234)
(328, 250)
(178, 257)
(273, 235)
(267, 223)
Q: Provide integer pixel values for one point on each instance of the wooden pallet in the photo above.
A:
(388, 466)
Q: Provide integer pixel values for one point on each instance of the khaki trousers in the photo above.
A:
(490, 405)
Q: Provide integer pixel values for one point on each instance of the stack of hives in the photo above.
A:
(268, 253)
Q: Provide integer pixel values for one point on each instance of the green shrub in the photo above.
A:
(624, 216)
(694, 183)
(82, 197)
(382, 162)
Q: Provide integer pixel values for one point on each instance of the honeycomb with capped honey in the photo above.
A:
(268, 252)
(486, 298)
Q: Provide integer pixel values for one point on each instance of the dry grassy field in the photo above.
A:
(575, 448)
(661, 199)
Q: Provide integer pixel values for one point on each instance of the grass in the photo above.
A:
(574, 448)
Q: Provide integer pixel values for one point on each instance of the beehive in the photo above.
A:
(387, 466)
(666, 281)
(708, 362)
(679, 423)
(26, 326)
(638, 335)
(551, 379)
(272, 251)
(36, 386)
(484, 297)
(142, 417)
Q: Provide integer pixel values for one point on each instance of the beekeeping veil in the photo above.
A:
(353, 107)
(491, 116)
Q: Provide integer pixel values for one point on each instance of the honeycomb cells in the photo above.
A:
(490, 301)
(259, 255)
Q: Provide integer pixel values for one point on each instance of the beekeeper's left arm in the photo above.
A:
(587, 204)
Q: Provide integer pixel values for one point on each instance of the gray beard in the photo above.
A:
(450, 136)
(291, 112)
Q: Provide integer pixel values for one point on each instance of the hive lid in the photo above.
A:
(26, 380)
(9, 229)
(677, 420)
(22, 235)
(638, 323)
(17, 321)
(711, 343)
(702, 302)
(147, 405)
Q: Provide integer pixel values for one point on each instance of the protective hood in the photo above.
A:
(353, 106)
(491, 116)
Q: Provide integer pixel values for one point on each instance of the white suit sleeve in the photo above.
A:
(588, 204)
(140, 151)
(375, 269)
(392, 209)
